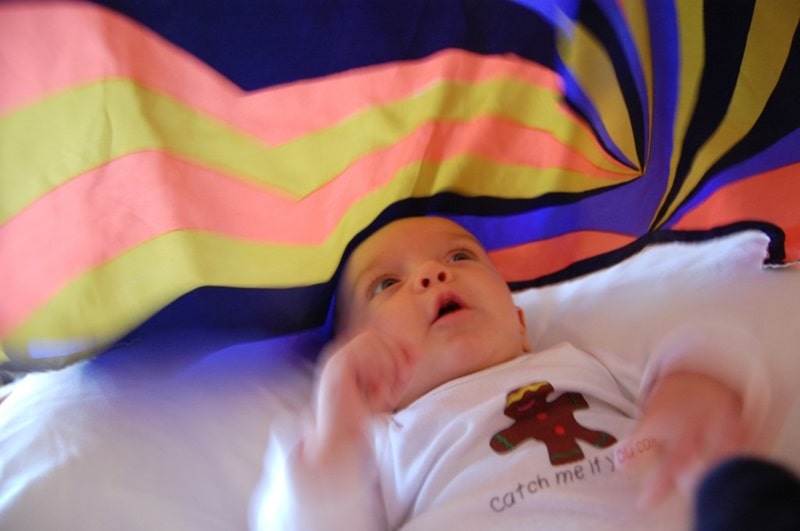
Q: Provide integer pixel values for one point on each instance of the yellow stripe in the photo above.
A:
(768, 45)
(46, 144)
(594, 71)
(635, 12)
(149, 276)
(692, 45)
(471, 176)
(141, 281)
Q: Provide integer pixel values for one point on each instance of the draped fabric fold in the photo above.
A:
(211, 164)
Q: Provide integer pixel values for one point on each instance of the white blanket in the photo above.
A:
(170, 434)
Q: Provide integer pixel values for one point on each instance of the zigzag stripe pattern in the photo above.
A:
(142, 178)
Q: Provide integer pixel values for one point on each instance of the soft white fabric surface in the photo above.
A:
(170, 434)
(168, 437)
(434, 466)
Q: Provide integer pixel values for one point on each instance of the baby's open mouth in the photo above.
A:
(447, 305)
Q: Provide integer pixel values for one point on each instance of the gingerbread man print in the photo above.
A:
(552, 423)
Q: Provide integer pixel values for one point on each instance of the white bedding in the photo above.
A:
(170, 434)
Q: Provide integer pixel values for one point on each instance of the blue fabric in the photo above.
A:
(748, 494)
(260, 44)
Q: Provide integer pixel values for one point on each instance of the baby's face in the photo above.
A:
(428, 283)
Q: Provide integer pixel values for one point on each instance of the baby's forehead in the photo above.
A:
(410, 234)
(401, 237)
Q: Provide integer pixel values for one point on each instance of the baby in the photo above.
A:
(432, 409)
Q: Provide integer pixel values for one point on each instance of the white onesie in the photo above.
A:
(535, 443)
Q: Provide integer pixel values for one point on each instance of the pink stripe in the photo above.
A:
(772, 196)
(505, 142)
(95, 44)
(59, 237)
(539, 258)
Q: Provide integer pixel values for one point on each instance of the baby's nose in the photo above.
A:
(430, 273)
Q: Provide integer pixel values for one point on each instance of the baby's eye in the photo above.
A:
(382, 284)
(457, 256)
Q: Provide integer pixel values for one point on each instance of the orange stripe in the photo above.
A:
(161, 193)
(510, 144)
(93, 218)
(104, 44)
(536, 259)
(772, 196)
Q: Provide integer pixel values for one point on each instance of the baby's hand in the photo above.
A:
(366, 374)
(696, 421)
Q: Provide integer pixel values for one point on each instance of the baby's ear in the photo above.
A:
(526, 342)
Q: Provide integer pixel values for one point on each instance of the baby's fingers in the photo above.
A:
(676, 468)
(386, 372)
(680, 459)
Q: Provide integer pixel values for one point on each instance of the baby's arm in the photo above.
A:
(697, 422)
(364, 376)
(706, 390)
(329, 480)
